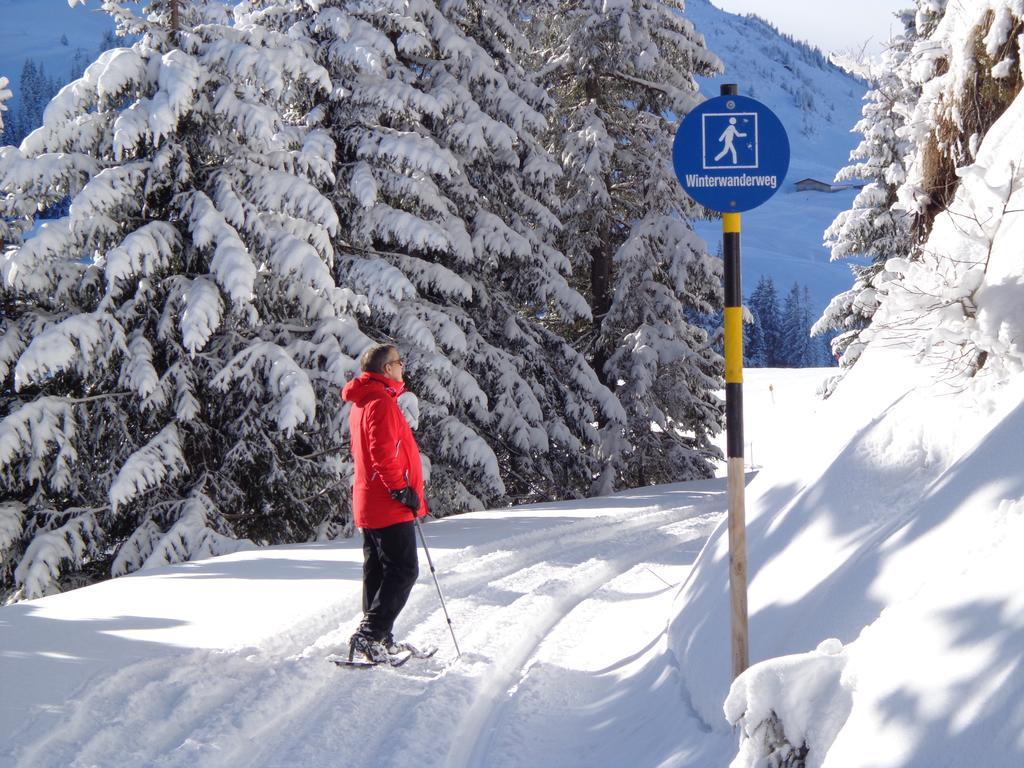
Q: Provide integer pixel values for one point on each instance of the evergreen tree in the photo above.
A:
(812, 356)
(35, 90)
(446, 196)
(874, 227)
(795, 330)
(79, 62)
(826, 354)
(110, 39)
(764, 305)
(171, 349)
(28, 100)
(755, 349)
(616, 72)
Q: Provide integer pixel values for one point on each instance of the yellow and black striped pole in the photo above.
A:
(734, 432)
(734, 439)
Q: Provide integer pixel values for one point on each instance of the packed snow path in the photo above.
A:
(560, 611)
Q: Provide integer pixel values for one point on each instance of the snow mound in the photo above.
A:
(791, 709)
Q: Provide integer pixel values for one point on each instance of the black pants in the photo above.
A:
(390, 568)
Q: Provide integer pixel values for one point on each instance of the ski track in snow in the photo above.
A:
(281, 704)
(472, 744)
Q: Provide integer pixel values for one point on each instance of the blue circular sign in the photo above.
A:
(731, 154)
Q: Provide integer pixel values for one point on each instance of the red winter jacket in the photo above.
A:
(384, 452)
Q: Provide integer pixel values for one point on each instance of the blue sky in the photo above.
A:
(834, 25)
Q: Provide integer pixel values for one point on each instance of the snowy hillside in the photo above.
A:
(899, 536)
(819, 105)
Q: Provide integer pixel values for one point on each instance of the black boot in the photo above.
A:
(372, 650)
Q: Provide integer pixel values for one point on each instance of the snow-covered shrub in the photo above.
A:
(171, 349)
(967, 64)
(766, 746)
(960, 186)
(789, 709)
(961, 299)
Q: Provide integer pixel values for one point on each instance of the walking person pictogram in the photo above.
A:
(728, 137)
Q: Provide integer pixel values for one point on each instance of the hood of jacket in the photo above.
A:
(370, 386)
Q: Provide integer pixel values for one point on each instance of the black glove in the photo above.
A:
(407, 496)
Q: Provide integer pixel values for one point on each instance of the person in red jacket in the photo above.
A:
(387, 496)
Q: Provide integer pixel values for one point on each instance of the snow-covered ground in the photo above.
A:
(885, 588)
(885, 527)
(560, 611)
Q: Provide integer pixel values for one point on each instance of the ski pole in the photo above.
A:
(423, 540)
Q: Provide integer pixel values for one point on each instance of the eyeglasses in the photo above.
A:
(396, 360)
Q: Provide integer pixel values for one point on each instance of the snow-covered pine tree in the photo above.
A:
(445, 197)
(814, 353)
(874, 227)
(79, 62)
(755, 353)
(170, 350)
(764, 304)
(30, 100)
(524, 283)
(621, 73)
(795, 329)
(35, 90)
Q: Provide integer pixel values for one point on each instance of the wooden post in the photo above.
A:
(734, 434)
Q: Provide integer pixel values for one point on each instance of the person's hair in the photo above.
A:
(373, 359)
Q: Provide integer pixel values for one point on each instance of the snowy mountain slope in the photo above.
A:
(819, 105)
(898, 534)
(37, 29)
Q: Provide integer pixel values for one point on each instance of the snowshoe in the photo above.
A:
(364, 651)
(358, 662)
(394, 648)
